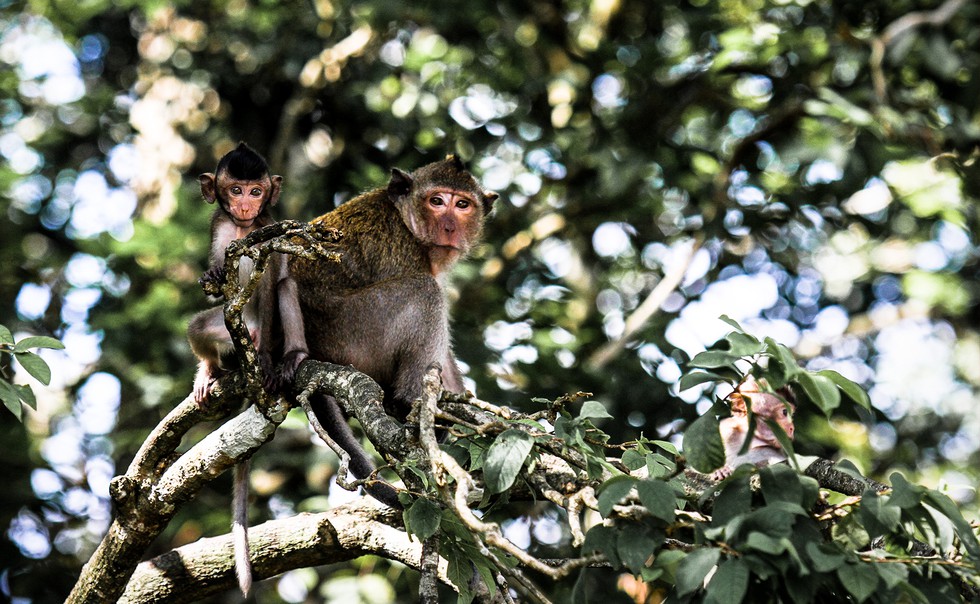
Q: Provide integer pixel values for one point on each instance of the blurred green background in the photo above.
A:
(812, 165)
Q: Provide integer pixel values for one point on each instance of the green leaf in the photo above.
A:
(613, 491)
(893, 574)
(696, 378)
(5, 336)
(851, 389)
(743, 345)
(905, 495)
(765, 544)
(602, 539)
(660, 466)
(784, 356)
(967, 537)
(694, 568)
(658, 498)
(460, 571)
(27, 395)
(821, 390)
(735, 499)
(637, 545)
(668, 561)
(730, 583)
(35, 366)
(38, 342)
(633, 460)
(780, 483)
(732, 322)
(702, 444)
(879, 516)
(860, 580)
(422, 518)
(505, 459)
(593, 410)
(825, 556)
(10, 395)
(713, 359)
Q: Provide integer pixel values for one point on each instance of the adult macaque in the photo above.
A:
(767, 408)
(245, 190)
(383, 308)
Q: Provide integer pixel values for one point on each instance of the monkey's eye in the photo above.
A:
(436, 200)
(785, 412)
(236, 190)
(462, 204)
(256, 192)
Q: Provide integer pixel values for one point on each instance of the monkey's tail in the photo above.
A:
(239, 527)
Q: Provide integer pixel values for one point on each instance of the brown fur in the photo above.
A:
(383, 308)
(244, 190)
(272, 315)
(764, 447)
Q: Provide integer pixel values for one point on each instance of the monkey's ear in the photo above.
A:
(488, 198)
(276, 189)
(737, 403)
(208, 187)
(400, 184)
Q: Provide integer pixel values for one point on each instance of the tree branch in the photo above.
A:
(898, 28)
(206, 567)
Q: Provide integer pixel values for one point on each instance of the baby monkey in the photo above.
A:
(245, 190)
(767, 408)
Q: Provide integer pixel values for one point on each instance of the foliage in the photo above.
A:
(14, 396)
(771, 534)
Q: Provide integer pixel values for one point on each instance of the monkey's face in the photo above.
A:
(772, 408)
(244, 200)
(449, 218)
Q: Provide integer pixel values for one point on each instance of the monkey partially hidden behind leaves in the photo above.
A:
(383, 308)
(764, 447)
(245, 190)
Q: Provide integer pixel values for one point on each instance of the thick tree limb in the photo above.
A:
(206, 567)
(158, 482)
(360, 397)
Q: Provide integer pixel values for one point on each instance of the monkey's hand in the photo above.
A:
(722, 473)
(212, 280)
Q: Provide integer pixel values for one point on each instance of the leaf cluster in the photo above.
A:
(764, 534)
(14, 396)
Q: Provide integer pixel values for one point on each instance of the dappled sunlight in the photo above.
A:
(796, 167)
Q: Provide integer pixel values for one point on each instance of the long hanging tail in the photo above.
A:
(239, 527)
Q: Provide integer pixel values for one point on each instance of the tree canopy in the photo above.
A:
(805, 168)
